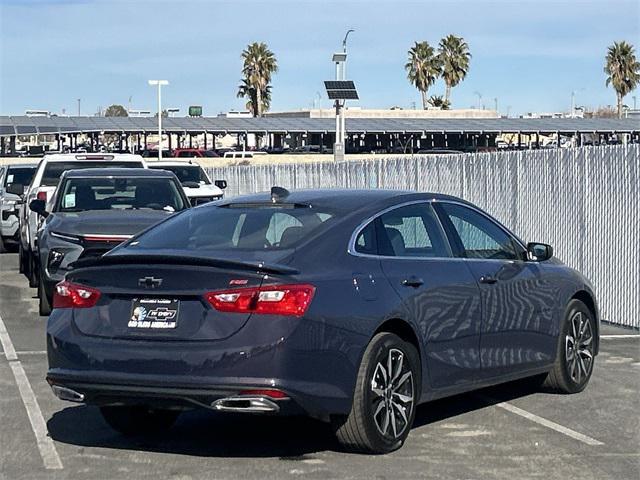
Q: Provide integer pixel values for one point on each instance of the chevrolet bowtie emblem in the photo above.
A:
(149, 282)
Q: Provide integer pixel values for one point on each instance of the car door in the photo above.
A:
(440, 296)
(517, 326)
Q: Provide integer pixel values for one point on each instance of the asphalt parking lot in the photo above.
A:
(506, 432)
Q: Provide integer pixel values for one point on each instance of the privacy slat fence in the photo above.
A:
(583, 201)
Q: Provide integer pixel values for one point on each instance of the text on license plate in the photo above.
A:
(154, 313)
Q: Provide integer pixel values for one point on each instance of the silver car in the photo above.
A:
(13, 181)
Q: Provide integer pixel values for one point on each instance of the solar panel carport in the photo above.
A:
(319, 129)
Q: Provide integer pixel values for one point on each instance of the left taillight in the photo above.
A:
(72, 295)
(286, 300)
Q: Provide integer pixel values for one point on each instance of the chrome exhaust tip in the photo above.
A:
(64, 393)
(246, 404)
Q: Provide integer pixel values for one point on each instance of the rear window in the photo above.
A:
(80, 194)
(53, 170)
(186, 173)
(19, 176)
(236, 228)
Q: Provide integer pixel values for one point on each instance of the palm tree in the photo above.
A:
(259, 63)
(622, 69)
(437, 101)
(423, 68)
(454, 55)
(247, 91)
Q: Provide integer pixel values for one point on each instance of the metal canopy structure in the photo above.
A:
(11, 126)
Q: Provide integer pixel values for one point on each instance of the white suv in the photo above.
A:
(43, 186)
(195, 181)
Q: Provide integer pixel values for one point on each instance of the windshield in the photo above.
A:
(247, 228)
(80, 194)
(19, 175)
(53, 170)
(186, 173)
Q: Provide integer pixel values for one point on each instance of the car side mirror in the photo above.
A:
(221, 184)
(39, 206)
(539, 252)
(16, 189)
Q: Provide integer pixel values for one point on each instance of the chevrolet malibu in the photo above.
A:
(352, 307)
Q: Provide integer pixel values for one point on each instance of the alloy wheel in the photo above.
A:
(393, 394)
(579, 347)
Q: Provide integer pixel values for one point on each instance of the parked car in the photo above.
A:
(93, 210)
(351, 306)
(194, 153)
(13, 179)
(153, 153)
(194, 179)
(243, 154)
(42, 187)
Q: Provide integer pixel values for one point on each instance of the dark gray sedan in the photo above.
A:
(349, 306)
(96, 209)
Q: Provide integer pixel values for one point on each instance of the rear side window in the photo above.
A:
(53, 170)
(411, 231)
(248, 228)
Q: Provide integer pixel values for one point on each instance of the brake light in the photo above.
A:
(72, 295)
(42, 196)
(259, 392)
(288, 300)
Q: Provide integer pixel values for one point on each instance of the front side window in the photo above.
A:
(480, 237)
(136, 193)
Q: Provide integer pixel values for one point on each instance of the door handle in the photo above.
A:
(414, 282)
(488, 279)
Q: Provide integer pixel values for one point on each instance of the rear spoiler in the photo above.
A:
(182, 260)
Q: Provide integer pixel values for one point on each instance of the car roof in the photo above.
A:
(340, 199)
(172, 163)
(117, 172)
(116, 157)
(22, 165)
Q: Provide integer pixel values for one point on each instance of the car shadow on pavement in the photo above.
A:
(211, 434)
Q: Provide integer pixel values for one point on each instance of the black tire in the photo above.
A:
(571, 372)
(32, 274)
(364, 431)
(3, 248)
(44, 302)
(138, 420)
(21, 261)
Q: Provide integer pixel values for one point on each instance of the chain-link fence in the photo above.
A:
(583, 201)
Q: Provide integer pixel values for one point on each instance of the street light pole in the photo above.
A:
(159, 83)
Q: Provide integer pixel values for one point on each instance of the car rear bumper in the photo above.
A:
(224, 398)
(316, 369)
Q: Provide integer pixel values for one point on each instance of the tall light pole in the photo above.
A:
(159, 83)
(479, 99)
(78, 107)
(344, 49)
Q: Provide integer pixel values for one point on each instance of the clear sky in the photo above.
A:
(529, 54)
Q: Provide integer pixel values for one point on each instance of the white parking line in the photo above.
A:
(47, 448)
(619, 336)
(549, 424)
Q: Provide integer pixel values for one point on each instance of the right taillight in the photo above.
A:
(72, 295)
(42, 196)
(286, 300)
